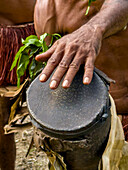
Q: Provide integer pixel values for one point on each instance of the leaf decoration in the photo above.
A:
(89, 4)
(35, 68)
(26, 55)
(32, 40)
(17, 56)
(42, 38)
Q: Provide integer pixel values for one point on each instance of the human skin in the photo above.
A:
(13, 12)
(82, 45)
(97, 38)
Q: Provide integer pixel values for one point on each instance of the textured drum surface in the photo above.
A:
(67, 110)
(74, 122)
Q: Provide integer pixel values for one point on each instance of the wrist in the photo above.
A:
(99, 24)
(98, 29)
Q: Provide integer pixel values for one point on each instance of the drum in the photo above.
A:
(76, 120)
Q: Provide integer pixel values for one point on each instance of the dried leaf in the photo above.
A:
(8, 129)
(30, 146)
(56, 161)
(14, 108)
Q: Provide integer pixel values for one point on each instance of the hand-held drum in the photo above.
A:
(77, 119)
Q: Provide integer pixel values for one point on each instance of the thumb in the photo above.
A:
(46, 55)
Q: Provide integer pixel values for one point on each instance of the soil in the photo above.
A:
(35, 160)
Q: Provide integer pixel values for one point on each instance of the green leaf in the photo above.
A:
(87, 11)
(32, 40)
(51, 41)
(89, 4)
(42, 38)
(17, 56)
(57, 36)
(38, 69)
(22, 66)
(42, 41)
(33, 50)
(22, 40)
(34, 37)
(45, 47)
(32, 47)
(35, 68)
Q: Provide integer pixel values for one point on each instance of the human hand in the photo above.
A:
(68, 53)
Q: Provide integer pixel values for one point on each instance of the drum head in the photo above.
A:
(67, 111)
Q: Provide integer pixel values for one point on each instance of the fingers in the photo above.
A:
(89, 67)
(63, 67)
(73, 69)
(45, 56)
(68, 60)
(51, 65)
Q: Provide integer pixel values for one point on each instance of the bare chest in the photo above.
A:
(71, 15)
(63, 16)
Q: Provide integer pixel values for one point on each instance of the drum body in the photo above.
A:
(76, 121)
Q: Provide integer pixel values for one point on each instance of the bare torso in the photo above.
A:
(63, 16)
(14, 12)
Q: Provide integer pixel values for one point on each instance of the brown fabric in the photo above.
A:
(10, 42)
(125, 126)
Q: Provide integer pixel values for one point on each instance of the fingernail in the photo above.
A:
(53, 84)
(65, 83)
(86, 80)
(42, 77)
(36, 57)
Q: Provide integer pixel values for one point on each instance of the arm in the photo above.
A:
(112, 17)
(83, 45)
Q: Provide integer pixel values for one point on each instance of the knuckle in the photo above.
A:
(52, 61)
(73, 47)
(82, 50)
(63, 64)
(74, 66)
(62, 45)
(56, 43)
(89, 66)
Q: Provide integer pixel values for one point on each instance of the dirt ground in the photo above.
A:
(35, 160)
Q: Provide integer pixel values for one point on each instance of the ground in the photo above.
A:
(35, 160)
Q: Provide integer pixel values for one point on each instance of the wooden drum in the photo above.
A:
(76, 120)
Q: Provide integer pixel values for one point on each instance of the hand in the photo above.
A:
(68, 53)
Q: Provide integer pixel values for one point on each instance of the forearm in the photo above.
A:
(112, 17)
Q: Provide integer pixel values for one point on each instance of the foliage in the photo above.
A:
(89, 4)
(25, 57)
